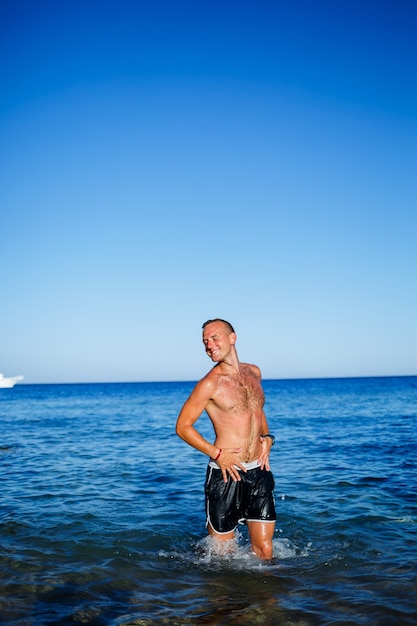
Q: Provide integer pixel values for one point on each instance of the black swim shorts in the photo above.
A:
(250, 499)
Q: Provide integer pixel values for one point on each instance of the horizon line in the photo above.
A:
(152, 382)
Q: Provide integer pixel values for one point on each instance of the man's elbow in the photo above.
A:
(179, 429)
(183, 430)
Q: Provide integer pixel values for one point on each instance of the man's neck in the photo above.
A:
(231, 364)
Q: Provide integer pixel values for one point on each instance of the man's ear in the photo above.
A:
(233, 338)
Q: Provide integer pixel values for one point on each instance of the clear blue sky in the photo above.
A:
(165, 162)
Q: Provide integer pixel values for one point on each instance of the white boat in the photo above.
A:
(9, 382)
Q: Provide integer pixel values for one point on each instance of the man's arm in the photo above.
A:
(190, 412)
(265, 441)
(266, 444)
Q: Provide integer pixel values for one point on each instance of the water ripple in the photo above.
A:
(102, 511)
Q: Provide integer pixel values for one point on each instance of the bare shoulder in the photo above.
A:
(254, 369)
(208, 384)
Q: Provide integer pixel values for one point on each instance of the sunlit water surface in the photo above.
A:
(102, 511)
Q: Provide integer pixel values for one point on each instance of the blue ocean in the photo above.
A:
(102, 509)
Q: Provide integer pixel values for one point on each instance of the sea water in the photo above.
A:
(102, 509)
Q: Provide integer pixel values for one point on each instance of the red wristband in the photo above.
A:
(219, 453)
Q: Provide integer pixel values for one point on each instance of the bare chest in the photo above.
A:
(240, 394)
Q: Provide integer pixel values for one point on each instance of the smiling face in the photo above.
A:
(218, 341)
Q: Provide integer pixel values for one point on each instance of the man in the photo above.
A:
(239, 484)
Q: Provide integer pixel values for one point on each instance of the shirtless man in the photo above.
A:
(239, 484)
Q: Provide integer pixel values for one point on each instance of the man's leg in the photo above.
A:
(226, 542)
(261, 534)
(220, 506)
(220, 536)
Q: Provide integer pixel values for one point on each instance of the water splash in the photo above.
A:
(235, 554)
